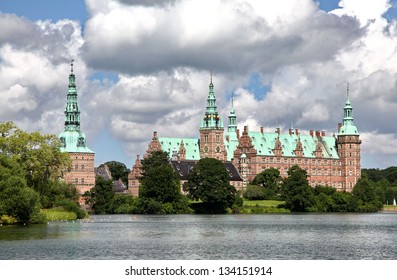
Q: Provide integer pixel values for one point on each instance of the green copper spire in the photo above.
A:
(348, 127)
(72, 110)
(232, 126)
(72, 139)
(211, 117)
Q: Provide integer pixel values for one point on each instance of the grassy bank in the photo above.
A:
(262, 206)
(390, 208)
(58, 214)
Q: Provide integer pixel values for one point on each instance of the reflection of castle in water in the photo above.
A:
(328, 160)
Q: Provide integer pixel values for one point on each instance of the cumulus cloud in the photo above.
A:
(34, 68)
(230, 36)
(162, 51)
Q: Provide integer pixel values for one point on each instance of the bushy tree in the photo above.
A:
(297, 193)
(16, 198)
(208, 182)
(159, 180)
(270, 181)
(101, 196)
(160, 191)
(364, 196)
(39, 157)
(118, 170)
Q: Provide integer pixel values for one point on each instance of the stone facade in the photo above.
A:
(81, 174)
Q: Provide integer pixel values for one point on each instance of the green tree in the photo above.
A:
(159, 180)
(255, 192)
(16, 198)
(160, 191)
(270, 180)
(297, 193)
(118, 171)
(101, 196)
(364, 196)
(208, 182)
(41, 161)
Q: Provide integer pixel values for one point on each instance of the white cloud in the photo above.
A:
(162, 54)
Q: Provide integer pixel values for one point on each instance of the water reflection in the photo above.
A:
(274, 236)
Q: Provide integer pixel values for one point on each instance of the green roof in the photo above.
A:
(192, 146)
(73, 142)
(263, 143)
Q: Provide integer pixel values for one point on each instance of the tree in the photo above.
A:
(118, 171)
(297, 193)
(266, 185)
(208, 182)
(16, 198)
(101, 196)
(39, 157)
(159, 180)
(364, 196)
(160, 192)
(269, 179)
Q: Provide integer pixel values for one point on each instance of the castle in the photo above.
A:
(329, 160)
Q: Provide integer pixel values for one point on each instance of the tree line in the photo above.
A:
(299, 196)
(207, 190)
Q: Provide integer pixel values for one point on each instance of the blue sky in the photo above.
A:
(143, 66)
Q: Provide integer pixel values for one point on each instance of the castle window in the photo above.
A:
(76, 180)
(76, 167)
(82, 180)
(205, 138)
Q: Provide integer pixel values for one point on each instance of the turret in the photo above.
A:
(348, 144)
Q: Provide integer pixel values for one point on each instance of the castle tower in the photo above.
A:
(232, 125)
(154, 145)
(73, 141)
(133, 177)
(211, 130)
(348, 143)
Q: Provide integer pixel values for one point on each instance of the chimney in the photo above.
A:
(154, 135)
(291, 131)
(227, 138)
(318, 133)
(278, 130)
(245, 129)
(312, 133)
(297, 131)
(238, 133)
(322, 133)
(339, 126)
(262, 129)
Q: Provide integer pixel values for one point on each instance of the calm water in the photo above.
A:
(276, 236)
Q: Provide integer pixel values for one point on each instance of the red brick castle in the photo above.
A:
(329, 160)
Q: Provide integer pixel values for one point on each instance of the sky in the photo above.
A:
(144, 66)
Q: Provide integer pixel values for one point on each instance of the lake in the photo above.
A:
(189, 237)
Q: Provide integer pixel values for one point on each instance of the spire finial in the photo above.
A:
(232, 99)
(71, 66)
(348, 88)
(211, 76)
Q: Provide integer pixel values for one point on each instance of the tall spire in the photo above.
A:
(348, 127)
(211, 117)
(72, 138)
(232, 125)
(72, 110)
